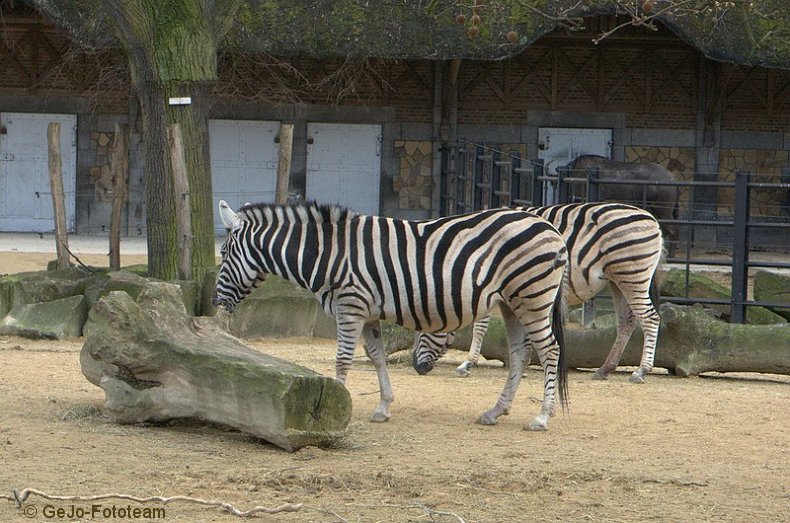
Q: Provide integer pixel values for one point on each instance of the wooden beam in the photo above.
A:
(119, 163)
(58, 195)
(284, 163)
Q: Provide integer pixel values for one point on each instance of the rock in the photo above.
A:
(133, 284)
(690, 341)
(155, 363)
(703, 287)
(103, 283)
(773, 287)
(279, 308)
(42, 286)
(55, 319)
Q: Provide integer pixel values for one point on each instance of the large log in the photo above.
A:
(156, 363)
(691, 341)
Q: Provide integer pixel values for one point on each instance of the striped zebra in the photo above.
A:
(432, 276)
(607, 242)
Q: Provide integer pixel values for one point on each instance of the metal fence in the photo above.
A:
(476, 176)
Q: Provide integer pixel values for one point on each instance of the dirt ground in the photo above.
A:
(714, 448)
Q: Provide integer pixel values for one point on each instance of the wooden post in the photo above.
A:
(58, 196)
(120, 175)
(284, 163)
(183, 208)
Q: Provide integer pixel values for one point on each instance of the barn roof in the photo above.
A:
(748, 32)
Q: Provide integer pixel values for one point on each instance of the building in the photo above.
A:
(369, 132)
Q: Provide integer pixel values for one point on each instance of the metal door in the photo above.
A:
(243, 162)
(25, 193)
(558, 146)
(344, 165)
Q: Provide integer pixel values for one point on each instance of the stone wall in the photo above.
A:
(678, 160)
(414, 184)
(766, 166)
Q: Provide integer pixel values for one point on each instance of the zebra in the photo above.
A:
(427, 275)
(610, 242)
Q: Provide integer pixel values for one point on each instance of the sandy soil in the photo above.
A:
(713, 448)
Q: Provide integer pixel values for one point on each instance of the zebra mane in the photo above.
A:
(309, 212)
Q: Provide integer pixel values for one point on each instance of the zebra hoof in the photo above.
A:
(486, 419)
(598, 375)
(637, 377)
(462, 373)
(379, 417)
(536, 426)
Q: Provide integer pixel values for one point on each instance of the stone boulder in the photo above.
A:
(132, 283)
(55, 319)
(155, 362)
(703, 287)
(279, 308)
(42, 286)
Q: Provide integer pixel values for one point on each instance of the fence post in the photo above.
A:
(740, 248)
(538, 167)
(562, 187)
(515, 178)
(477, 178)
(494, 199)
(592, 184)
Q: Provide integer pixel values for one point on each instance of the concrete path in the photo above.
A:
(45, 242)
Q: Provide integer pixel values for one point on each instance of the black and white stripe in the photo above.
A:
(433, 276)
(607, 242)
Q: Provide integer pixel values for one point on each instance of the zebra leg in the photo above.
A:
(541, 338)
(650, 321)
(626, 324)
(479, 332)
(374, 347)
(349, 328)
(516, 337)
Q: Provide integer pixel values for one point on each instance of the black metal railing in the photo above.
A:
(477, 176)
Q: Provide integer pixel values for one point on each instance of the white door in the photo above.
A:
(243, 162)
(558, 146)
(344, 165)
(25, 194)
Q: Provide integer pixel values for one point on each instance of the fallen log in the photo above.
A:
(156, 363)
(690, 341)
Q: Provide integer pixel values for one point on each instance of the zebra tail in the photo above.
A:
(558, 327)
(655, 280)
(655, 291)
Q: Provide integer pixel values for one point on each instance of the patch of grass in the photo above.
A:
(83, 412)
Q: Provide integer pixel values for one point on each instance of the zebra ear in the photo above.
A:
(229, 218)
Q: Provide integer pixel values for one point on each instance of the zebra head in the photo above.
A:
(427, 349)
(238, 275)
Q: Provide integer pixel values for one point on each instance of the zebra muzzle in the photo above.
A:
(422, 368)
(224, 303)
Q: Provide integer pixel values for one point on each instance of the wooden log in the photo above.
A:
(58, 195)
(119, 162)
(691, 341)
(284, 163)
(183, 206)
(156, 363)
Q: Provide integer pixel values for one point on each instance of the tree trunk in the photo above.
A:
(120, 175)
(175, 57)
(183, 219)
(58, 197)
